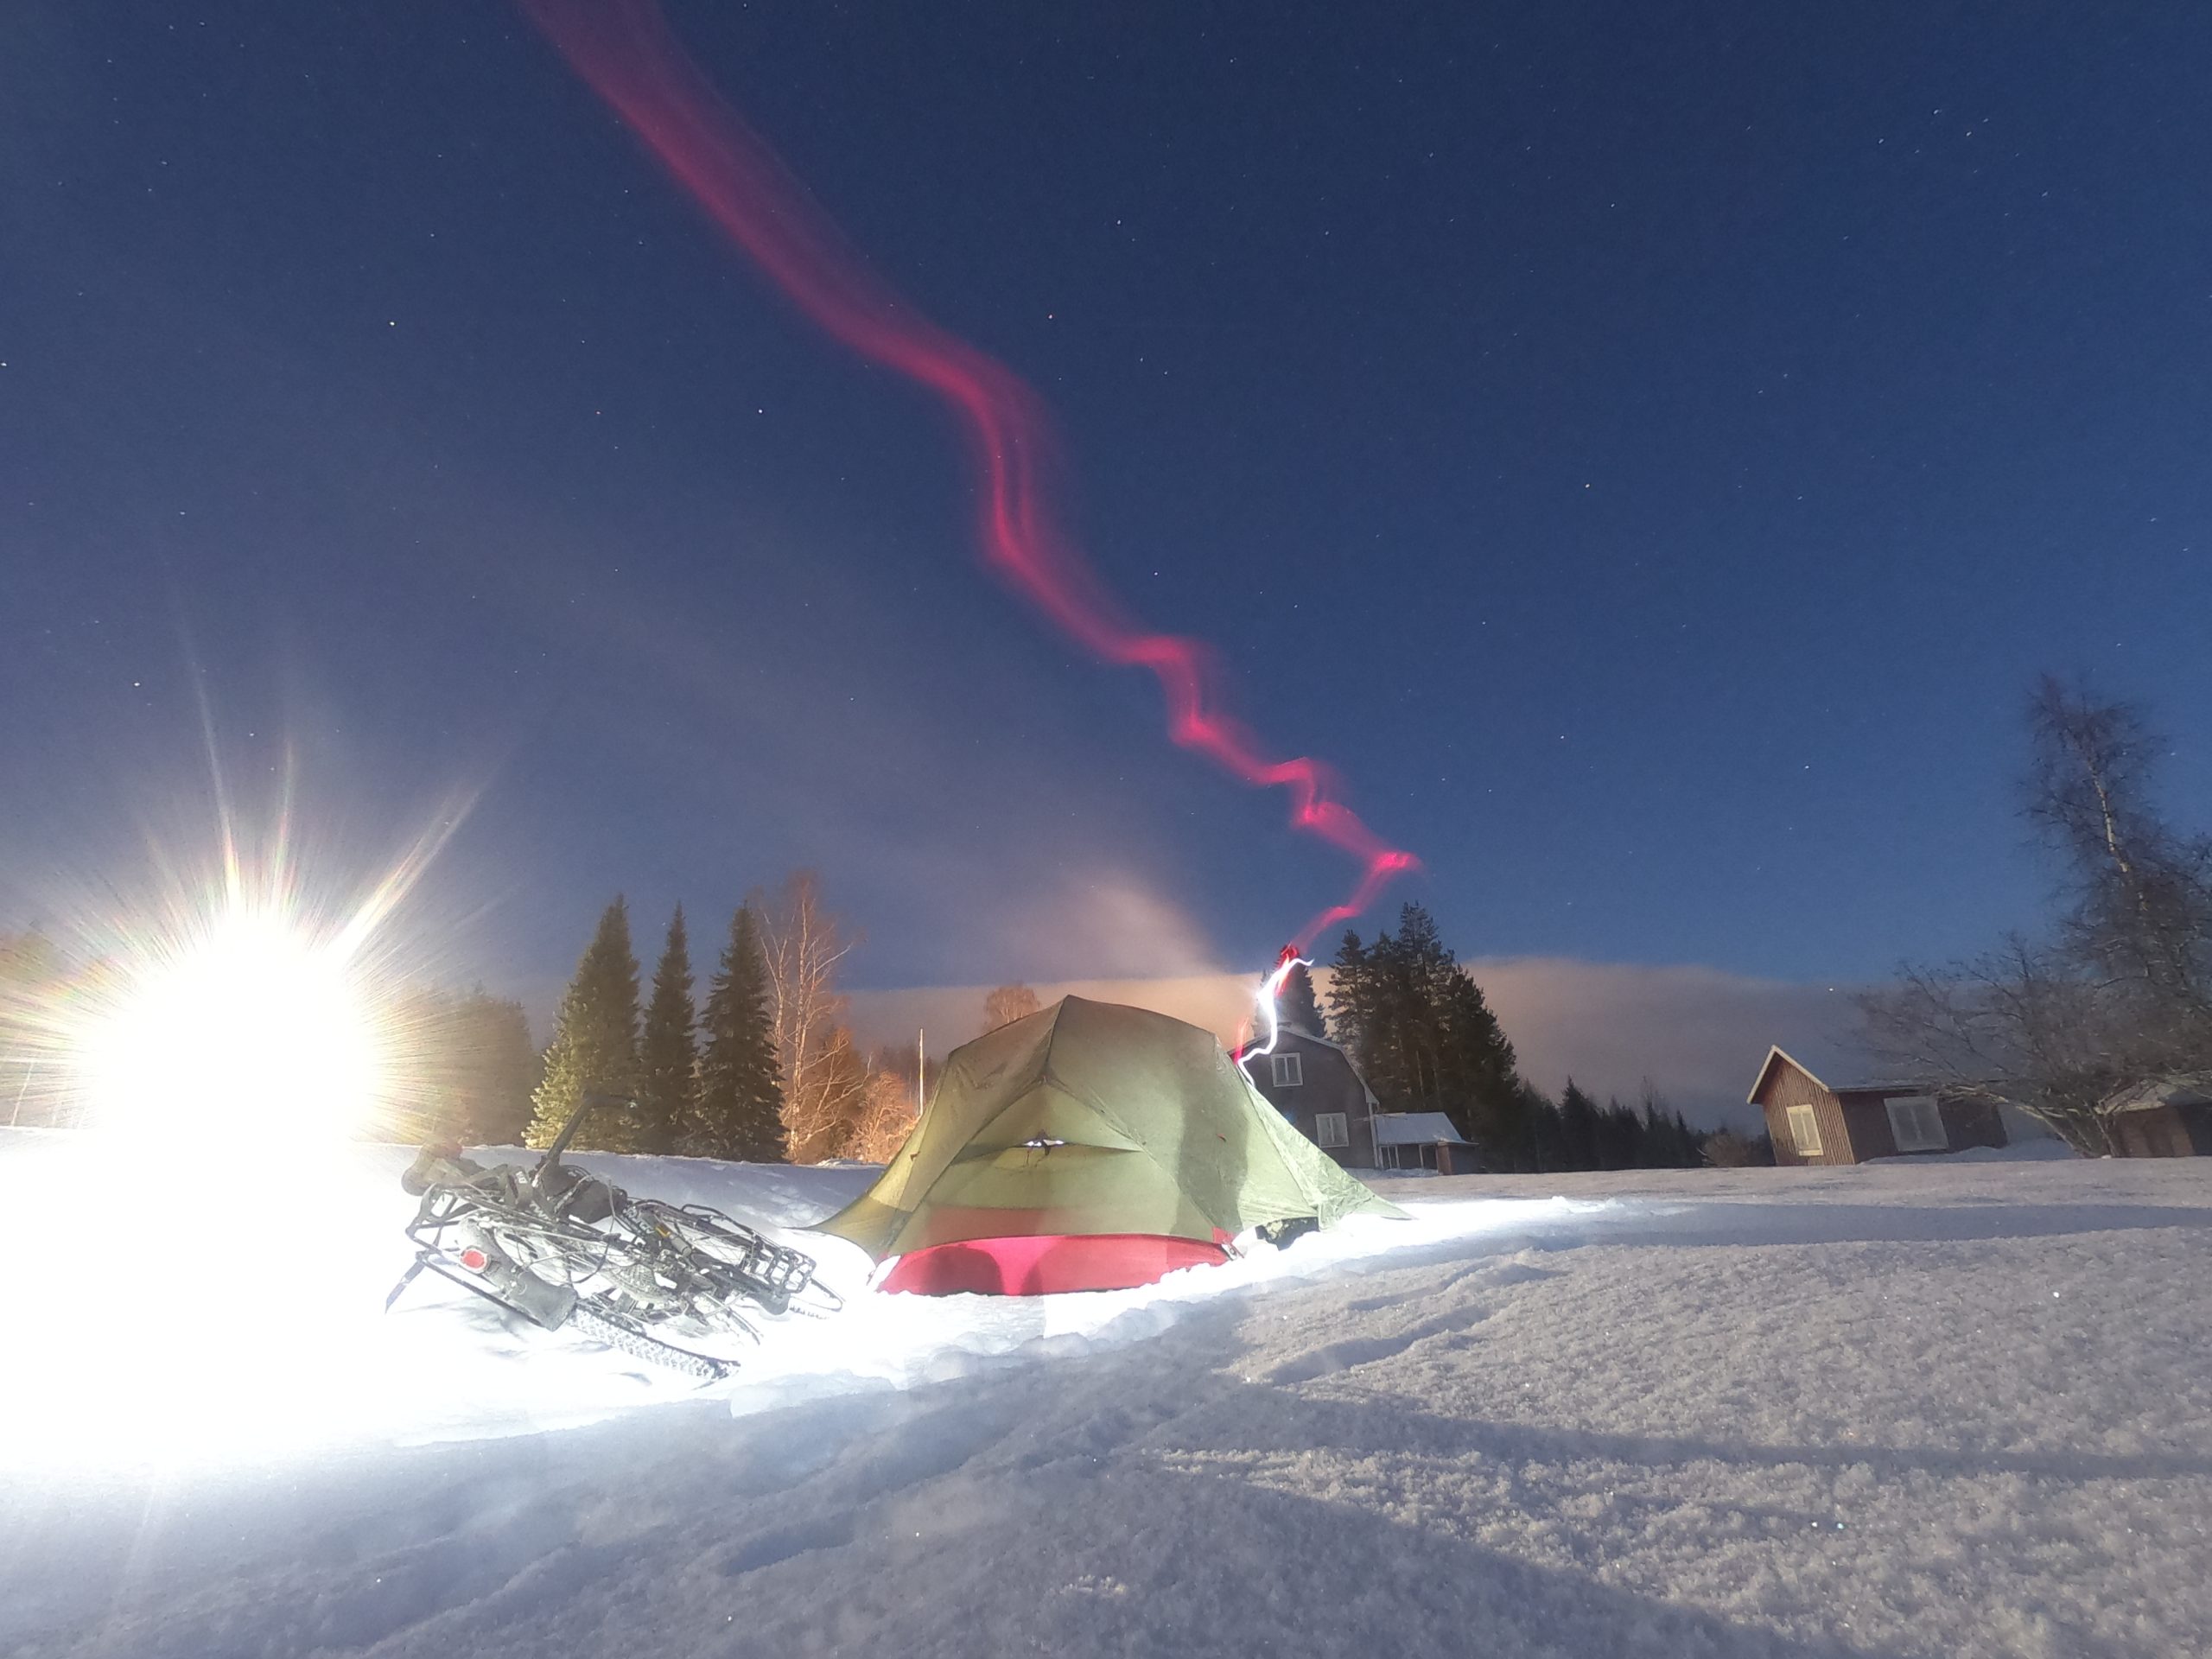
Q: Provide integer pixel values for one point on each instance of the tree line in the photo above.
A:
(764, 1069)
(1423, 1035)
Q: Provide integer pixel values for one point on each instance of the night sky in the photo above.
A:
(1648, 450)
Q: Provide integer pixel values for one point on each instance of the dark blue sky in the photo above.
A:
(1648, 451)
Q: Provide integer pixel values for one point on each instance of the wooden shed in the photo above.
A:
(1422, 1141)
(1813, 1122)
(2165, 1117)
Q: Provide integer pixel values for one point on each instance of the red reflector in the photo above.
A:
(474, 1260)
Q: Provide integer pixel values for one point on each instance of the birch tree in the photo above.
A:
(825, 1079)
(2120, 991)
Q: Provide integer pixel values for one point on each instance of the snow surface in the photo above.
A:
(1926, 1407)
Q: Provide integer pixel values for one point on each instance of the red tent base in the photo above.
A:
(1043, 1265)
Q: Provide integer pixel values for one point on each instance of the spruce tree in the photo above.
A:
(738, 1110)
(1579, 1127)
(1668, 1142)
(1424, 1034)
(1480, 1078)
(668, 1055)
(1620, 1138)
(493, 1068)
(1543, 1135)
(1351, 1014)
(594, 1047)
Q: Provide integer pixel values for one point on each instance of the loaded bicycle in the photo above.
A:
(569, 1251)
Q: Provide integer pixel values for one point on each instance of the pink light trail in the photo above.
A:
(624, 51)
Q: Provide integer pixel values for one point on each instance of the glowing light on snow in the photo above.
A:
(234, 1317)
(200, 1253)
(623, 49)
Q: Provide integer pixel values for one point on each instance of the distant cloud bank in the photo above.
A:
(1697, 1032)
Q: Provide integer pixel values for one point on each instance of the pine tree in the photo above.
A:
(1620, 1138)
(463, 1067)
(1424, 1034)
(738, 1109)
(1384, 1016)
(594, 1047)
(1479, 1075)
(1668, 1140)
(1578, 1117)
(1352, 1015)
(496, 1068)
(1543, 1138)
(668, 1055)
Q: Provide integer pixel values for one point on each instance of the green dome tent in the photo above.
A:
(1088, 1147)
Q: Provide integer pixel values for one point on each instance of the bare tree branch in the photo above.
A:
(825, 1080)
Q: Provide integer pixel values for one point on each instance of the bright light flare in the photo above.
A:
(255, 999)
(202, 1256)
(251, 1024)
(1270, 989)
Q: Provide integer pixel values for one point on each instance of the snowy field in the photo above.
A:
(1943, 1407)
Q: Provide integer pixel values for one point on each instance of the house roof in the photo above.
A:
(1879, 1086)
(1415, 1130)
(1773, 1054)
(2177, 1089)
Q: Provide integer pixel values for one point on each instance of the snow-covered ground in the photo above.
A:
(1931, 1408)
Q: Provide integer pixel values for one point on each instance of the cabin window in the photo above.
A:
(1290, 1071)
(1917, 1123)
(1805, 1130)
(1332, 1129)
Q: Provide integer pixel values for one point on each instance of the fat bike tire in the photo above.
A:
(596, 1327)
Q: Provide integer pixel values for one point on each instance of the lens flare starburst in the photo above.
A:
(263, 999)
(237, 1027)
(249, 1020)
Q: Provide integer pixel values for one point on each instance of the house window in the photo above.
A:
(1332, 1129)
(1805, 1130)
(1917, 1123)
(1290, 1071)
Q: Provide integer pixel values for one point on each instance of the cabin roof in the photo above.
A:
(1415, 1129)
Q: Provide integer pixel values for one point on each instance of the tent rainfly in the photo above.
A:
(1088, 1147)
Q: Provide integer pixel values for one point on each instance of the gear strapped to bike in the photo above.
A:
(570, 1252)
